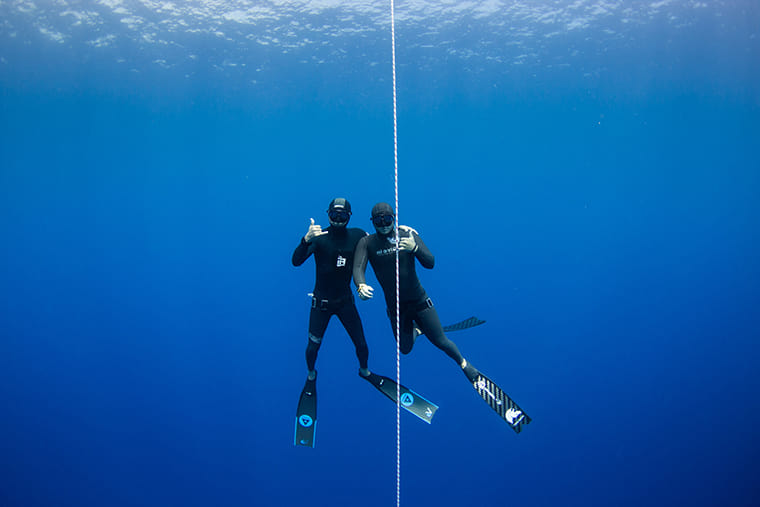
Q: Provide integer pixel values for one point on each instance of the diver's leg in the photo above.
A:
(349, 317)
(318, 320)
(432, 328)
(406, 343)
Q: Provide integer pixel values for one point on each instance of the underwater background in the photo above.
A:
(587, 174)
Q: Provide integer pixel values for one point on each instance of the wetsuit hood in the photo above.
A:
(382, 208)
(339, 203)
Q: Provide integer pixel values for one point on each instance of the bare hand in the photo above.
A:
(365, 291)
(408, 229)
(313, 232)
(407, 244)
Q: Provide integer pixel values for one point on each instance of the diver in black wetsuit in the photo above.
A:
(333, 250)
(418, 315)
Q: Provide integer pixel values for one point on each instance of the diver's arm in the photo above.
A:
(423, 253)
(360, 266)
(360, 261)
(306, 247)
(302, 252)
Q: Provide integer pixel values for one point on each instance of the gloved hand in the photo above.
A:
(313, 232)
(365, 291)
(408, 244)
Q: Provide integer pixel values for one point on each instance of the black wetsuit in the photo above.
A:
(415, 305)
(333, 256)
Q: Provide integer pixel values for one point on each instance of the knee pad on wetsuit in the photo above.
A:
(315, 339)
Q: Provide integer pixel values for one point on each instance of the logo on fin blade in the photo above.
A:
(305, 421)
(407, 399)
(481, 384)
(512, 414)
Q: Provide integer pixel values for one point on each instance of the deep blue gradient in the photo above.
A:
(604, 218)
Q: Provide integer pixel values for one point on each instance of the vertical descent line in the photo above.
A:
(398, 313)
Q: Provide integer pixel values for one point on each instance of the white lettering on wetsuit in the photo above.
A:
(341, 261)
(386, 251)
(390, 250)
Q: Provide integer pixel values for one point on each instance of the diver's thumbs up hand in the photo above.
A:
(313, 232)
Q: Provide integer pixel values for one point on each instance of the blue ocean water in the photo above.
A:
(586, 173)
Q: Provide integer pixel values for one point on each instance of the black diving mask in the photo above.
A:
(382, 220)
(338, 215)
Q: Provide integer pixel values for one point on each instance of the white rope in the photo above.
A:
(398, 314)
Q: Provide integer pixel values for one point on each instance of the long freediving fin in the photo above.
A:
(410, 400)
(500, 402)
(465, 324)
(306, 415)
